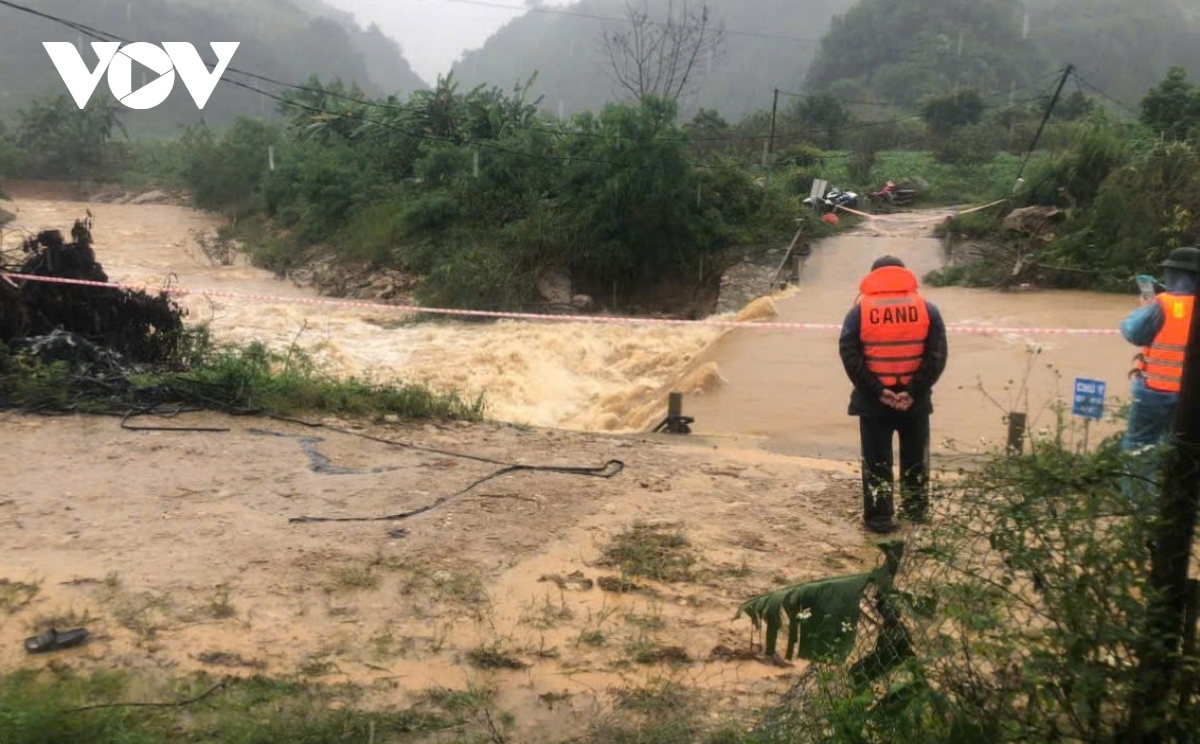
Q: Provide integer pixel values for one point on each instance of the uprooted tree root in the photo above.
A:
(136, 325)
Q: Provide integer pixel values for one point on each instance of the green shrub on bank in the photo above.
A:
(230, 378)
(1022, 606)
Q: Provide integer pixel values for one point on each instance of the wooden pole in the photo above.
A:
(674, 405)
(774, 108)
(1173, 535)
(1189, 643)
(1016, 433)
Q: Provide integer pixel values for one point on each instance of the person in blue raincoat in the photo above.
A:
(1161, 328)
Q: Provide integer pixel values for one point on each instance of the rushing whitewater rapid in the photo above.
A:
(784, 386)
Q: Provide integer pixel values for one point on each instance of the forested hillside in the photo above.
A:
(279, 39)
(905, 50)
(900, 51)
(767, 44)
(1121, 47)
(883, 51)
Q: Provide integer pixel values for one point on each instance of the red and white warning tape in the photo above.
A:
(330, 302)
(916, 218)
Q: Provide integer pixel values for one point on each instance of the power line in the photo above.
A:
(104, 35)
(1128, 109)
(484, 144)
(107, 36)
(594, 17)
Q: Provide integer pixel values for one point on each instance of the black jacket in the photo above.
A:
(864, 401)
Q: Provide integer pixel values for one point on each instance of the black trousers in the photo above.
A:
(876, 434)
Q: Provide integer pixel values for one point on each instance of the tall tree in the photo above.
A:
(1172, 108)
(667, 58)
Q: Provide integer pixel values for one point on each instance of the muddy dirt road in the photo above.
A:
(175, 550)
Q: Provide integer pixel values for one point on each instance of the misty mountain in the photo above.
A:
(768, 44)
(1122, 48)
(286, 40)
(908, 49)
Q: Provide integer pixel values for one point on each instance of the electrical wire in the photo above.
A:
(1128, 109)
(482, 144)
(617, 19)
(606, 471)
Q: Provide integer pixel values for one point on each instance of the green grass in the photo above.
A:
(16, 595)
(34, 709)
(948, 184)
(651, 551)
(232, 378)
(45, 708)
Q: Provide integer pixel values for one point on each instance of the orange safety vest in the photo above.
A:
(895, 324)
(1161, 363)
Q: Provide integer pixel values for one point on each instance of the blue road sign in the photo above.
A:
(1089, 398)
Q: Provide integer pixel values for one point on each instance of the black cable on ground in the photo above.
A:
(389, 442)
(154, 411)
(608, 470)
(180, 704)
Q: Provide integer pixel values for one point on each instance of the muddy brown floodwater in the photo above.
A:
(176, 551)
(788, 388)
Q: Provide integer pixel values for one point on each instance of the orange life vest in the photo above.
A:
(895, 324)
(1161, 363)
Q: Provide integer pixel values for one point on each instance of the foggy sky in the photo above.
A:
(433, 33)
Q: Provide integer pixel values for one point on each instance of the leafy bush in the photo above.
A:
(60, 139)
(154, 163)
(230, 378)
(226, 173)
(12, 160)
(477, 276)
(968, 145)
(1015, 617)
(318, 186)
(946, 114)
(1140, 213)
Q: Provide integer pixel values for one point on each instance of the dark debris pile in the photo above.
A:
(42, 316)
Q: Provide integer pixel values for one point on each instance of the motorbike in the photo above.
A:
(834, 199)
(893, 195)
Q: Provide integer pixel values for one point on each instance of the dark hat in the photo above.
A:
(1185, 259)
(886, 261)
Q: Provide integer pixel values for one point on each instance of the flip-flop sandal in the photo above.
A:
(53, 640)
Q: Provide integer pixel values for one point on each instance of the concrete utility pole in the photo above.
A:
(1179, 500)
(774, 109)
(1049, 110)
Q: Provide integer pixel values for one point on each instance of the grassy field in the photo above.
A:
(948, 184)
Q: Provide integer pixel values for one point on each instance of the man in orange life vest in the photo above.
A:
(893, 347)
(1161, 327)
